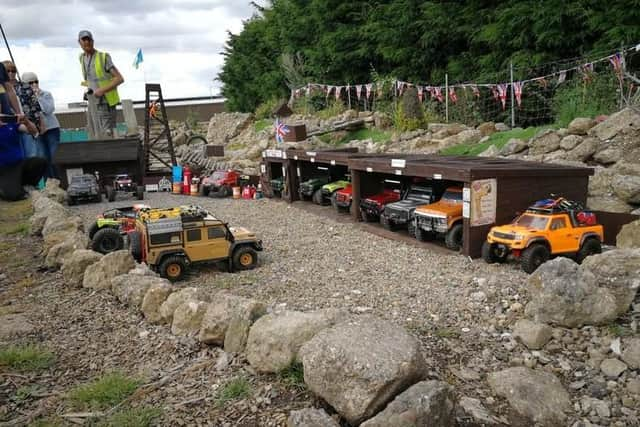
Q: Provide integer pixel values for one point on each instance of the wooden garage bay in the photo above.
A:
(512, 185)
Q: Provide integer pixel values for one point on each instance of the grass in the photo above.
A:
(293, 375)
(618, 330)
(261, 125)
(447, 333)
(26, 358)
(237, 388)
(104, 392)
(13, 217)
(499, 139)
(376, 135)
(24, 393)
(134, 417)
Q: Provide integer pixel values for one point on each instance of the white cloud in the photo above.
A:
(181, 42)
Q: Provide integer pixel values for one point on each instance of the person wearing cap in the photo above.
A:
(50, 127)
(101, 77)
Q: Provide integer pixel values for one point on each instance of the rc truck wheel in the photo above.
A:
(97, 198)
(107, 240)
(334, 203)
(590, 246)
(423, 236)
(365, 216)
(135, 245)
(411, 229)
(533, 257)
(453, 239)
(173, 268)
(244, 258)
(93, 229)
(140, 193)
(110, 192)
(317, 197)
(387, 223)
(225, 191)
(493, 253)
(204, 190)
(71, 201)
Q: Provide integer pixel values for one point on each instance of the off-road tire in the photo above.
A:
(423, 236)
(93, 229)
(366, 217)
(387, 224)
(173, 268)
(334, 203)
(317, 197)
(590, 246)
(534, 256)
(135, 245)
(72, 201)
(244, 258)
(453, 239)
(225, 191)
(107, 240)
(411, 229)
(97, 198)
(140, 193)
(204, 190)
(489, 254)
(110, 192)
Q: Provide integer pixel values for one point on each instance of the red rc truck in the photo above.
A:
(220, 183)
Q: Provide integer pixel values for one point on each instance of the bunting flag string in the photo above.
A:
(369, 87)
(502, 92)
(437, 91)
(495, 94)
(420, 93)
(338, 91)
(452, 94)
(358, 91)
(562, 77)
(475, 90)
(517, 91)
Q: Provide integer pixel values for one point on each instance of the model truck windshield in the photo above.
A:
(218, 175)
(419, 193)
(532, 221)
(452, 196)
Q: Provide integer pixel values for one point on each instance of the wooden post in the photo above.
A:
(129, 117)
(446, 97)
(355, 194)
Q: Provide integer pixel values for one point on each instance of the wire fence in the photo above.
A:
(554, 92)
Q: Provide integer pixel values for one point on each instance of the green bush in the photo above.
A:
(579, 98)
(334, 108)
(265, 110)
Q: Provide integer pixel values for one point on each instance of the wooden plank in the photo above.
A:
(97, 151)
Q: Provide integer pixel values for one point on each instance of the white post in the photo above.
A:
(446, 97)
(513, 111)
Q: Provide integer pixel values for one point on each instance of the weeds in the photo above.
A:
(293, 375)
(619, 331)
(447, 333)
(499, 139)
(107, 391)
(134, 417)
(26, 358)
(237, 388)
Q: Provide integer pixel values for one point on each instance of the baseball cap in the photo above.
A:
(29, 77)
(85, 33)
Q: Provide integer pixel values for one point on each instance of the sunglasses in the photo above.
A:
(34, 82)
(12, 71)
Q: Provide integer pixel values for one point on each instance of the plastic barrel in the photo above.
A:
(236, 192)
(177, 187)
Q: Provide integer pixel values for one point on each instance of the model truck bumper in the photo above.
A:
(396, 217)
(430, 223)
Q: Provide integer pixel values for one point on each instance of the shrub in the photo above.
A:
(334, 108)
(237, 388)
(265, 110)
(109, 390)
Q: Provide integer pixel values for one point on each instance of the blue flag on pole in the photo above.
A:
(138, 60)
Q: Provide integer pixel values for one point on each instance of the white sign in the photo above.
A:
(263, 169)
(311, 153)
(465, 209)
(333, 162)
(466, 194)
(369, 169)
(398, 163)
(484, 196)
(437, 176)
(151, 187)
(398, 172)
(273, 153)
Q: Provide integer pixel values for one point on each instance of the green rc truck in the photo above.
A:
(328, 191)
(169, 241)
(312, 189)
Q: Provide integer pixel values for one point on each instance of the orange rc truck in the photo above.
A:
(550, 227)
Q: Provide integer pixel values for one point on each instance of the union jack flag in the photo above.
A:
(281, 130)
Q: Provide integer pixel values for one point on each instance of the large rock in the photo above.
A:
(427, 403)
(627, 188)
(533, 335)
(538, 396)
(570, 142)
(622, 121)
(474, 409)
(597, 292)
(43, 209)
(629, 236)
(130, 289)
(275, 339)
(469, 136)
(75, 265)
(545, 142)
(53, 191)
(631, 352)
(178, 298)
(583, 151)
(224, 309)
(156, 295)
(580, 126)
(55, 224)
(187, 318)
(601, 183)
(358, 366)
(99, 275)
(226, 126)
(609, 156)
(487, 128)
(608, 204)
(624, 167)
(513, 146)
(60, 252)
(492, 151)
(310, 417)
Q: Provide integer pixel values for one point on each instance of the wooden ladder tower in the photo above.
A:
(159, 156)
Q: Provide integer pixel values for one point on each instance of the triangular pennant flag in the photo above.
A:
(562, 77)
(438, 93)
(420, 93)
(338, 91)
(502, 92)
(452, 95)
(358, 91)
(369, 87)
(475, 90)
(517, 91)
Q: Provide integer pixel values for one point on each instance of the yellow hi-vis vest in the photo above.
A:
(112, 96)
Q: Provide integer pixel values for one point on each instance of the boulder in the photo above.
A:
(469, 136)
(156, 295)
(275, 339)
(360, 365)
(608, 204)
(58, 254)
(75, 265)
(580, 126)
(178, 298)
(513, 146)
(536, 395)
(441, 134)
(624, 167)
(47, 209)
(492, 151)
(595, 293)
(629, 236)
(612, 368)
(187, 318)
(456, 128)
(427, 403)
(545, 142)
(487, 128)
(310, 417)
(68, 224)
(15, 325)
(381, 120)
(474, 409)
(130, 289)
(622, 121)
(627, 188)
(502, 127)
(583, 151)
(99, 275)
(226, 126)
(570, 142)
(53, 239)
(533, 335)
(608, 156)
(143, 270)
(53, 191)
(224, 309)
(631, 352)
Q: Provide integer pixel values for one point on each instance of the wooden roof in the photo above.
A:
(98, 151)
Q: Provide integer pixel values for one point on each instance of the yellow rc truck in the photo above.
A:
(170, 240)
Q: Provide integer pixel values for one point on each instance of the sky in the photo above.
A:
(181, 42)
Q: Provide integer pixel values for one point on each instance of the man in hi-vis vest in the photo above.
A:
(101, 78)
